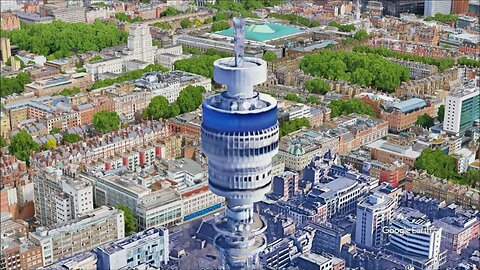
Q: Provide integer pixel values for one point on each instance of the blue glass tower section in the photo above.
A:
(240, 137)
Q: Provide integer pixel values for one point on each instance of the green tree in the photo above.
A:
(343, 28)
(471, 178)
(95, 58)
(441, 113)
(125, 18)
(364, 69)
(58, 39)
(317, 86)
(346, 107)
(441, 63)
(174, 110)
(22, 146)
(293, 97)
(201, 65)
(293, 125)
(70, 91)
(334, 24)
(313, 100)
(197, 22)
(208, 20)
(219, 26)
(425, 121)
(55, 130)
(3, 142)
(185, 23)
(50, 144)
(157, 108)
(220, 16)
(106, 121)
(362, 77)
(190, 98)
(170, 11)
(129, 219)
(71, 138)
(468, 62)
(269, 56)
(436, 162)
(361, 35)
(14, 84)
(295, 19)
(443, 18)
(163, 25)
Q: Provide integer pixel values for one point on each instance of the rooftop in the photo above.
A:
(264, 31)
(185, 164)
(73, 261)
(132, 241)
(86, 219)
(410, 105)
(394, 148)
(159, 198)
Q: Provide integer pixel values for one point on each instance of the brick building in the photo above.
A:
(402, 115)
(189, 124)
(9, 21)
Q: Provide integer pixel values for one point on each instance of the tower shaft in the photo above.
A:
(240, 137)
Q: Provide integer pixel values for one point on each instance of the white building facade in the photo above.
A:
(433, 7)
(373, 214)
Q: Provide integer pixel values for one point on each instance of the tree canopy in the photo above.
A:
(295, 19)
(441, 63)
(157, 108)
(361, 35)
(50, 144)
(3, 142)
(293, 125)
(470, 178)
(170, 11)
(125, 18)
(70, 91)
(346, 107)
(163, 25)
(293, 97)
(436, 162)
(55, 130)
(269, 56)
(244, 8)
(317, 86)
(106, 121)
(362, 69)
(342, 27)
(59, 39)
(443, 18)
(468, 62)
(219, 26)
(425, 121)
(201, 65)
(129, 219)
(313, 100)
(14, 84)
(22, 145)
(189, 99)
(185, 23)
(441, 113)
(71, 138)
